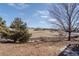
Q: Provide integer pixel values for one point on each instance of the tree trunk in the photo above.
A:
(15, 40)
(69, 32)
(69, 36)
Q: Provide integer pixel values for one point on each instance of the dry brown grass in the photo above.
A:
(43, 33)
(30, 49)
(36, 48)
(33, 49)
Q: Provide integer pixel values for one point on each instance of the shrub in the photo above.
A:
(20, 32)
(20, 36)
(4, 31)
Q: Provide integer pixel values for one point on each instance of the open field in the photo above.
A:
(35, 48)
(43, 33)
(39, 29)
(30, 49)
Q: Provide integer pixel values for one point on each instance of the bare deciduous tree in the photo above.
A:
(67, 16)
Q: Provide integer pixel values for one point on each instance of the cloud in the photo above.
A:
(43, 12)
(48, 20)
(18, 5)
(44, 16)
(52, 20)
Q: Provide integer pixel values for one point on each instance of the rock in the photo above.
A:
(71, 50)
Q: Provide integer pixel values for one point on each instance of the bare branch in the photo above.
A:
(67, 14)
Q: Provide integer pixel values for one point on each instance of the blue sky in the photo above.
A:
(36, 15)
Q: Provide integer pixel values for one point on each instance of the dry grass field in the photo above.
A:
(43, 33)
(34, 48)
(30, 49)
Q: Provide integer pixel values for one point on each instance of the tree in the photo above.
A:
(3, 29)
(2, 23)
(18, 24)
(19, 31)
(67, 16)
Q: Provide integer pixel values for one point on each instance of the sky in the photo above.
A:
(34, 14)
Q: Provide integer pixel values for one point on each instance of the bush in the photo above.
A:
(5, 34)
(20, 32)
(21, 36)
(4, 31)
(25, 36)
